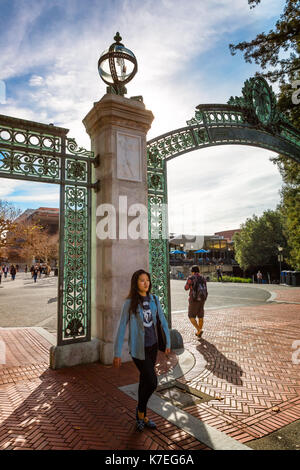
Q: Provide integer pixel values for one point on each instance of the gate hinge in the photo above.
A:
(96, 186)
(96, 160)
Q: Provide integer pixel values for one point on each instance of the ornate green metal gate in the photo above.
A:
(38, 152)
(252, 119)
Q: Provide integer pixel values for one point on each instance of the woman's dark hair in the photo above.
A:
(134, 293)
(195, 269)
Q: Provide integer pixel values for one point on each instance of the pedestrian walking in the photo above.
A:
(259, 277)
(13, 272)
(196, 284)
(26, 269)
(143, 312)
(35, 272)
(5, 271)
(219, 273)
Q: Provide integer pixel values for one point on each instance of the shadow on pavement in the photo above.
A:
(73, 408)
(219, 364)
(80, 408)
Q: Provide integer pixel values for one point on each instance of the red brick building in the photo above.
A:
(228, 234)
(48, 217)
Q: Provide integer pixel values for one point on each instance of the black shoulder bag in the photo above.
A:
(161, 335)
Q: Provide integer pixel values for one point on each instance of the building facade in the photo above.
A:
(48, 219)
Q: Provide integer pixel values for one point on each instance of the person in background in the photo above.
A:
(35, 272)
(5, 271)
(259, 277)
(196, 284)
(219, 273)
(13, 272)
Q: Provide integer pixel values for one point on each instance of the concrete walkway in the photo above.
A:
(239, 383)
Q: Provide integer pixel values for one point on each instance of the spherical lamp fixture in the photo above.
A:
(117, 66)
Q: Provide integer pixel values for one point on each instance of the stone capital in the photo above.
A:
(117, 111)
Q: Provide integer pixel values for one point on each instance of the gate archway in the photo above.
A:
(252, 119)
(37, 152)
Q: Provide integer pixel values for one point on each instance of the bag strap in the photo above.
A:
(155, 298)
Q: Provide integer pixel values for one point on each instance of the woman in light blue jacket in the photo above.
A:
(140, 310)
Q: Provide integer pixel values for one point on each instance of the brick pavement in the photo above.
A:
(289, 294)
(76, 408)
(244, 360)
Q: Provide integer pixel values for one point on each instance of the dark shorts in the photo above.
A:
(196, 308)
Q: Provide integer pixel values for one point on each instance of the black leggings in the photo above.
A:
(148, 379)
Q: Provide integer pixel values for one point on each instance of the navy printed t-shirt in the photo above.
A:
(150, 334)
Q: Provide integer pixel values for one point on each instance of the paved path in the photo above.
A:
(245, 362)
(245, 358)
(26, 303)
(74, 408)
(220, 295)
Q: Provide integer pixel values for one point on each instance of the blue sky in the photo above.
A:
(49, 54)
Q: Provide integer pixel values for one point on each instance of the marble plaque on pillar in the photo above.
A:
(129, 157)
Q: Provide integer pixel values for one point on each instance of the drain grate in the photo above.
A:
(181, 395)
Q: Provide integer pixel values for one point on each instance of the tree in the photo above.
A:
(290, 172)
(257, 242)
(30, 241)
(23, 239)
(291, 222)
(8, 214)
(266, 49)
(46, 248)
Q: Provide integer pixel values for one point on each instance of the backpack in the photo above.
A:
(199, 289)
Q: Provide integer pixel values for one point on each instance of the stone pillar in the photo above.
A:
(117, 127)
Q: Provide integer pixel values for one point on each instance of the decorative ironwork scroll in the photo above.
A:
(33, 151)
(76, 279)
(252, 119)
(158, 230)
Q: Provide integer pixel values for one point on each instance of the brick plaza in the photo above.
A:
(243, 361)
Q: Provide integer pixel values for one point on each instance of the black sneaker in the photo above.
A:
(140, 423)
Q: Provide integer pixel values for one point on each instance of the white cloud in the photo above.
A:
(224, 185)
(49, 198)
(7, 187)
(169, 38)
(20, 192)
(36, 81)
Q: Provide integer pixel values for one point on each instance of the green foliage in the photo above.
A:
(290, 172)
(232, 279)
(257, 242)
(267, 50)
(291, 218)
(270, 51)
